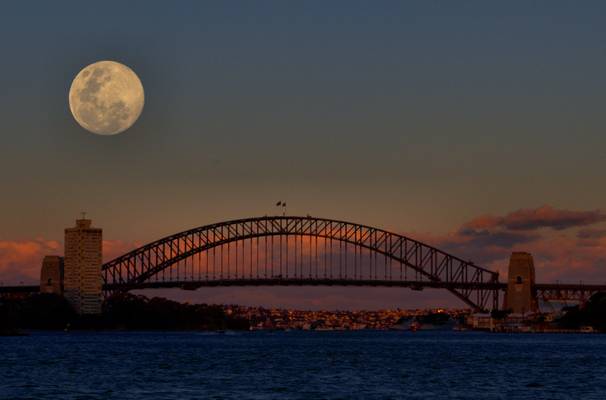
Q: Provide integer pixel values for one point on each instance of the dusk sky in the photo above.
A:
(476, 126)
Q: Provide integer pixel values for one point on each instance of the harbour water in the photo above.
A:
(302, 365)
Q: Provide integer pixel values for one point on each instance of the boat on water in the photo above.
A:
(435, 321)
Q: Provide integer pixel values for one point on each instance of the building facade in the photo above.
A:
(82, 267)
(51, 275)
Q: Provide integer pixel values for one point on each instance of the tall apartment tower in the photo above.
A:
(521, 297)
(82, 267)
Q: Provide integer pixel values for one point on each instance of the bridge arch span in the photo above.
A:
(143, 267)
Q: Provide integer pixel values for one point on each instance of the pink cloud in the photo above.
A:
(549, 217)
(535, 218)
(484, 222)
(563, 253)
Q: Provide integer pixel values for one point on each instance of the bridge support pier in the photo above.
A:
(521, 297)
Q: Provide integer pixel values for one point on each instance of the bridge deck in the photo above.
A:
(192, 285)
(570, 286)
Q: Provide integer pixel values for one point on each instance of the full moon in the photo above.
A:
(106, 98)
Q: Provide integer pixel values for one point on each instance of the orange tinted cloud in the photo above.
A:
(20, 260)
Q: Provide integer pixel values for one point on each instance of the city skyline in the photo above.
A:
(477, 129)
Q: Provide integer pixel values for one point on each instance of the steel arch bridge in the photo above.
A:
(303, 251)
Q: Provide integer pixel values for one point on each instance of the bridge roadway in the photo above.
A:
(549, 291)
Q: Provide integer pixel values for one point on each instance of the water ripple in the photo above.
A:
(302, 365)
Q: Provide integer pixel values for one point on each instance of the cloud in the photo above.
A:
(20, 260)
(535, 218)
(591, 233)
(560, 252)
(498, 238)
(483, 222)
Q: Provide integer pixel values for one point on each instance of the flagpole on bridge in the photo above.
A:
(283, 205)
